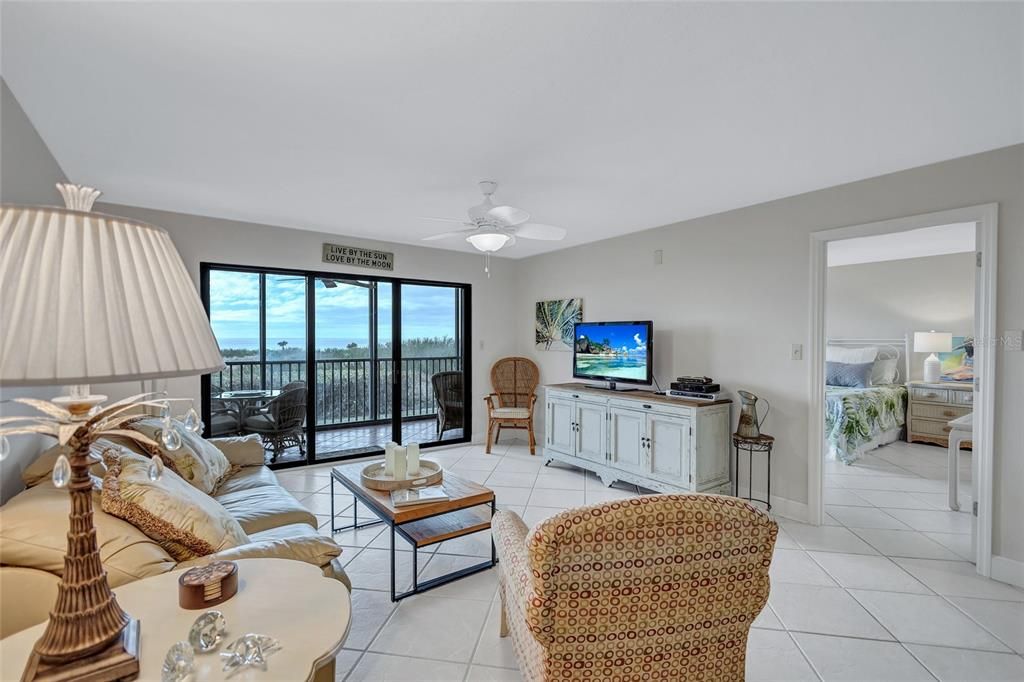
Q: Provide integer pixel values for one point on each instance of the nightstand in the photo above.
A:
(932, 405)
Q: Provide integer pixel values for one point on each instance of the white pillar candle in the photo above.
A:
(389, 459)
(401, 463)
(414, 458)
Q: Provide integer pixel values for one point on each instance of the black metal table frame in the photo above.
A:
(752, 447)
(417, 586)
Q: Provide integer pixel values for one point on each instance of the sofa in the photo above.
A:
(661, 587)
(34, 524)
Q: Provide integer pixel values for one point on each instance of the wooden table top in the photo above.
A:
(462, 494)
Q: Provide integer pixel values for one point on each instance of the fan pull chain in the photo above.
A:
(487, 264)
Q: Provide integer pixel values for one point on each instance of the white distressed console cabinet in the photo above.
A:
(652, 440)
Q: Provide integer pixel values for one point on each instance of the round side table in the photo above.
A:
(763, 443)
(289, 600)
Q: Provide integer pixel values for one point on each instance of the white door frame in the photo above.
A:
(986, 218)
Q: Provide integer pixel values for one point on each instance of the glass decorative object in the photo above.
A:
(208, 631)
(249, 650)
(5, 447)
(192, 421)
(179, 663)
(62, 472)
(156, 468)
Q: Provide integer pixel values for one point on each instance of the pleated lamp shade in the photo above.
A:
(90, 298)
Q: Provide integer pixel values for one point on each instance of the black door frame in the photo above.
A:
(463, 338)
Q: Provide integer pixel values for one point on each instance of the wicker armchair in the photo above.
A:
(663, 587)
(448, 394)
(280, 424)
(515, 382)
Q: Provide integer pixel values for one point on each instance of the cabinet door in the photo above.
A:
(560, 432)
(669, 448)
(626, 431)
(590, 431)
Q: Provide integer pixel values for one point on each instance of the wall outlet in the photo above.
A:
(658, 257)
(796, 351)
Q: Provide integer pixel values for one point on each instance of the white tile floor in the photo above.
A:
(885, 593)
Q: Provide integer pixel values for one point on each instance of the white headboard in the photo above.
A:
(887, 348)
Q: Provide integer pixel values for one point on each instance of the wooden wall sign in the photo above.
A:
(338, 254)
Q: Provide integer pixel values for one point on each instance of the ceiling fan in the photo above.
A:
(491, 227)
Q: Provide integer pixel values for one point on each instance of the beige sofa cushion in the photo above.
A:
(247, 478)
(264, 507)
(185, 521)
(28, 597)
(243, 451)
(295, 541)
(33, 534)
(197, 460)
(42, 468)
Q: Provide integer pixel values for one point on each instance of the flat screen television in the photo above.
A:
(613, 352)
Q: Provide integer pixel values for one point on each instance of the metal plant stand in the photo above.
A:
(763, 443)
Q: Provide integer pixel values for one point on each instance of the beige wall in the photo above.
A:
(891, 299)
(732, 295)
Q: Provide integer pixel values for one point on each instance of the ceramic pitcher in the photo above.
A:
(749, 426)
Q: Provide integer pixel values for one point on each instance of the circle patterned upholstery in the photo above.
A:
(661, 587)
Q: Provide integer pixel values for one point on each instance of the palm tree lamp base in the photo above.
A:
(119, 661)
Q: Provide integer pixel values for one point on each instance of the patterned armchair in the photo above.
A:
(662, 587)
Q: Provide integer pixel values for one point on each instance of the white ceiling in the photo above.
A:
(924, 241)
(606, 119)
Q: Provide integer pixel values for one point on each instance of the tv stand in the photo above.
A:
(612, 386)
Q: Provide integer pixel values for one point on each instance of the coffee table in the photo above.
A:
(468, 510)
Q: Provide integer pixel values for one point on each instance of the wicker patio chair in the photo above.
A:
(224, 419)
(448, 394)
(515, 382)
(280, 425)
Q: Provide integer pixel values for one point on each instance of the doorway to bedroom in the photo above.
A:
(896, 373)
(892, 300)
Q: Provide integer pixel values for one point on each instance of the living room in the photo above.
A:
(681, 163)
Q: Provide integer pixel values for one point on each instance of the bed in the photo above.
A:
(858, 420)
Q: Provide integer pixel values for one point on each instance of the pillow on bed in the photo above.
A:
(851, 355)
(883, 371)
(851, 375)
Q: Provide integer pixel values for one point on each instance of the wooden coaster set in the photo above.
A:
(205, 586)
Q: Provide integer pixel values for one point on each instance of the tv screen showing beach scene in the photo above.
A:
(612, 351)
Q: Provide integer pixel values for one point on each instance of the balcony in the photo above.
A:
(353, 401)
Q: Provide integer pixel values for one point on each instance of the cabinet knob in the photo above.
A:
(575, 395)
(647, 407)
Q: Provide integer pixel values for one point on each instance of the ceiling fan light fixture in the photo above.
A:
(488, 242)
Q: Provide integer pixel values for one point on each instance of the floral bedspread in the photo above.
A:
(856, 416)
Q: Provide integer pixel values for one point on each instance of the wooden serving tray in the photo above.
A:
(373, 476)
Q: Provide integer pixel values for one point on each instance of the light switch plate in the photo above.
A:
(796, 351)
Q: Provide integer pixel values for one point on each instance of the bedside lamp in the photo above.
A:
(932, 342)
(92, 298)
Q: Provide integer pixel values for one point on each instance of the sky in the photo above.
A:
(342, 316)
(621, 336)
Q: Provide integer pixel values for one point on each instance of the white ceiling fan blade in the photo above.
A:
(509, 214)
(445, 235)
(461, 221)
(540, 231)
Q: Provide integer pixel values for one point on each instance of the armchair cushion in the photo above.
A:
(511, 412)
(510, 542)
(185, 521)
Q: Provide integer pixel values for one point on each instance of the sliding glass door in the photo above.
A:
(369, 359)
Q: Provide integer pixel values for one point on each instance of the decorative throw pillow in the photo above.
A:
(883, 372)
(851, 355)
(848, 374)
(184, 521)
(41, 470)
(200, 463)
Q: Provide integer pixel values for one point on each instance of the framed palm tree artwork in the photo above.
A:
(555, 322)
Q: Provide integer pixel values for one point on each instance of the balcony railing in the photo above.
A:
(348, 391)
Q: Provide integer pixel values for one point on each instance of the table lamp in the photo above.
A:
(91, 298)
(932, 342)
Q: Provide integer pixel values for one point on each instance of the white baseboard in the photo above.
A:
(784, 507)
(1008, 570)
